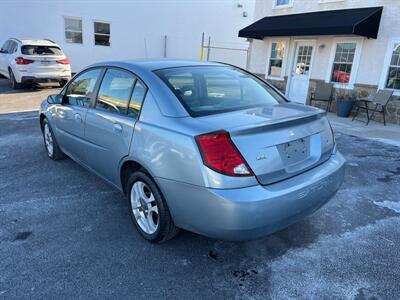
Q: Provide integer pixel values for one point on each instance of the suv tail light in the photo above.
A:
(64, 61)
(221, 155)
(23, 61)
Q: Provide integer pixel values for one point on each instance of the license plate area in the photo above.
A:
(45, 62)
(295, 151)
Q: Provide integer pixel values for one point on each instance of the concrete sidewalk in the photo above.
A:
(389, 134)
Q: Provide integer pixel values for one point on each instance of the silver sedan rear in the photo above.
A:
(201, 146)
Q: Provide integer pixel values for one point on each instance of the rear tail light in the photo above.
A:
(64, 61)
(23, 61)
(221, 155)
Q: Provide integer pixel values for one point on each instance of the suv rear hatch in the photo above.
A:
(45, 59)
(278, 141)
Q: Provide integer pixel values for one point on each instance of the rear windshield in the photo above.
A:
(205, 90)
(40, 50)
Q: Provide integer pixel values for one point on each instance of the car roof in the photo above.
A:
(156, 64)
(35, 42)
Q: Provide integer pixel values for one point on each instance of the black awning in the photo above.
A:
(359, 21)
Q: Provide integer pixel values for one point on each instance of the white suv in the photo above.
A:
(26, 61)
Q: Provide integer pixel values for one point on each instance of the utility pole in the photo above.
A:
(202, 47)
(208, 48)
(165, 46)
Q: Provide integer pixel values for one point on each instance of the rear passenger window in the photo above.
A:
(12, 47)
(115, 91)
(5, 46)
(80, 90)
(138, 95)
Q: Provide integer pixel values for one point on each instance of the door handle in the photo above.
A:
(78, 118)
(117, 128)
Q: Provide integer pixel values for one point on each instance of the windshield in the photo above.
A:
(40, 50)
(205, 90)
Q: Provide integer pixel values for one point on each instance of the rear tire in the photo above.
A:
(14, 84)
(148, 209)
(53, 150)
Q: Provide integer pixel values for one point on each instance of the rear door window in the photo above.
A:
(40, 50)
(138, 94)
(115, 91)
(12, 47)
(80, 91)
(5, 46)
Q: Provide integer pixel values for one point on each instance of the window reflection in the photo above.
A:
(343, 62)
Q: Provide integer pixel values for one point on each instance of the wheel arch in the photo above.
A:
(128, 167)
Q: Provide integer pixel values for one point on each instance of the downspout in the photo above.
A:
(248, 56)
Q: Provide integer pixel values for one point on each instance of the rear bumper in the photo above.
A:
(33, 79)
(256, 211)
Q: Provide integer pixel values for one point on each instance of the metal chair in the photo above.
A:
(323, 93)
(379, 101)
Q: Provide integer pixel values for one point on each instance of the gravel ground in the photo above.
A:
(64, 233)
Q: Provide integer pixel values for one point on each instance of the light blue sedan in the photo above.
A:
(205, 147)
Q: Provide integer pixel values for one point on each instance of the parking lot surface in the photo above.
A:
(25, 99)
(64, 233)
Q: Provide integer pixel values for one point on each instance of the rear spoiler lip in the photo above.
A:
(277, 124)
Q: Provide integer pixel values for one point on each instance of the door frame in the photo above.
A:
(292, 56)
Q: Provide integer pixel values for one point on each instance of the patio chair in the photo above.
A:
(323, 93)
(378, 102)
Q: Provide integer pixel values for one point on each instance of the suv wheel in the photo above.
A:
(14, 84)
(148, 209)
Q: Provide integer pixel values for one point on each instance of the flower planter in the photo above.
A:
(344, 108)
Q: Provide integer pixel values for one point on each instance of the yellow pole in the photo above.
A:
(202, 47)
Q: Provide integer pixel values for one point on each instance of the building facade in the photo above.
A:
(91, 31)
(356, 63)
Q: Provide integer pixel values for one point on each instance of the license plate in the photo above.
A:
(296, 151)
(45, 62)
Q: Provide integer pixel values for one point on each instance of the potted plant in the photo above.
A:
(344, 102)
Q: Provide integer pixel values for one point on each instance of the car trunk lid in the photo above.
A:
(278, 141)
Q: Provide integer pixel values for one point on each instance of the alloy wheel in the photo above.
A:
(48, 139)
(144, 207)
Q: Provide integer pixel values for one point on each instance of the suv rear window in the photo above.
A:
(40, 50)
(205, 90)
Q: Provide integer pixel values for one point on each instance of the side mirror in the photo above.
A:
(55, 99)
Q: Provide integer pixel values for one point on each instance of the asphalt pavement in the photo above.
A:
(65, 233)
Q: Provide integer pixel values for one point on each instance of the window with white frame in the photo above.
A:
(73, 30)
(277, 55)
(393, 73)
(343, 62)
(328, 1)
(102, 33)
(282, 3)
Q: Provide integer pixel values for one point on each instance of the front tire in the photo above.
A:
(14, 84)
(62, 83)
(148, 209)
(53, 150)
